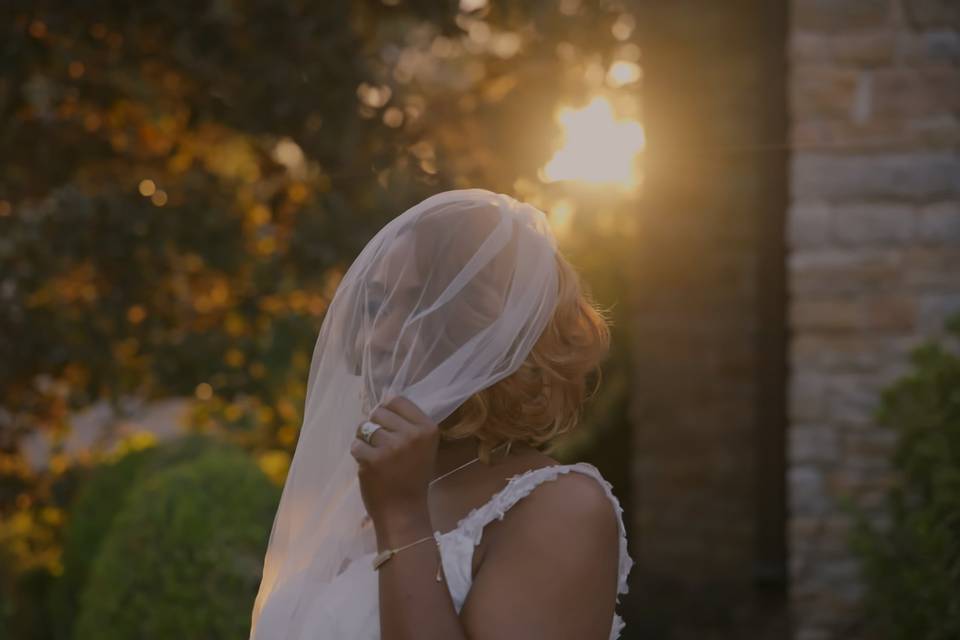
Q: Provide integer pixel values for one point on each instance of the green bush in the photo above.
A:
(911, 563)
(184, 555)
(90, 516)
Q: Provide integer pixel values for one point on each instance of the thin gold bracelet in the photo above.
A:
(385, 555)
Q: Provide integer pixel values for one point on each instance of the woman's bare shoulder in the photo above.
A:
(566, 529)
(570, 506)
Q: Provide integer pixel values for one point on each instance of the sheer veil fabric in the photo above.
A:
(447, 299)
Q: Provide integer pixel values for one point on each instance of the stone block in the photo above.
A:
(845, 353)
(883, 311)
(806, 396)
(807, 490)
(925, 47)
(813, 443)
(873, 224)
(822, 91)
(921, 177)
(844, 271)
(808, 224)
(877, 133)
(807, 47)
(852, 400)
(878, 443)
(813, 633)
(939, 223)
(841, 572)
(838, 15)
(865, 485)
(803, 530)
(932, 269)
(936, 131)
(915, 91)
(868, 462)
(932, 13)
(824, 314)
(863, 49)
(934, 311)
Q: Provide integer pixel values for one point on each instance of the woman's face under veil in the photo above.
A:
(393, 289)
(429, 293)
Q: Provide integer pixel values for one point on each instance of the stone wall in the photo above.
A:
(874, 260)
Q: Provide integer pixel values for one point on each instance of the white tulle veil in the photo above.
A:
(446, 300)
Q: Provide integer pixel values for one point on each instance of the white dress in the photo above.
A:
(350, 609)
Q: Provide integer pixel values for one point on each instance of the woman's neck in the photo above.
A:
(451, 454)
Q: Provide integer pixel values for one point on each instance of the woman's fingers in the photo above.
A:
(421, 426)
(402, 424)
(363, 453)
(400, 414)
(390, 420)
(407, 410)
(382, 442)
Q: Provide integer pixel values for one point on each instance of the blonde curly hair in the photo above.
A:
(544, 397)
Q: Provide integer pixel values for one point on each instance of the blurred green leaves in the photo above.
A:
(911, 555)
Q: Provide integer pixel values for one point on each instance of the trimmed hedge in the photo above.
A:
(184, 555)
(96, 505)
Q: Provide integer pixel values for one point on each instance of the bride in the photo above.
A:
(420, 502)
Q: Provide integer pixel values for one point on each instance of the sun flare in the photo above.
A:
(598, 148)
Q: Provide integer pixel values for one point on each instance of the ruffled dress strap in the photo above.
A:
(521, 485)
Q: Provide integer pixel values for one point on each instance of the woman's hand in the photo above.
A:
(395, 470)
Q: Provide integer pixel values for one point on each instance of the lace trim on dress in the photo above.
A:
(521, 485)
